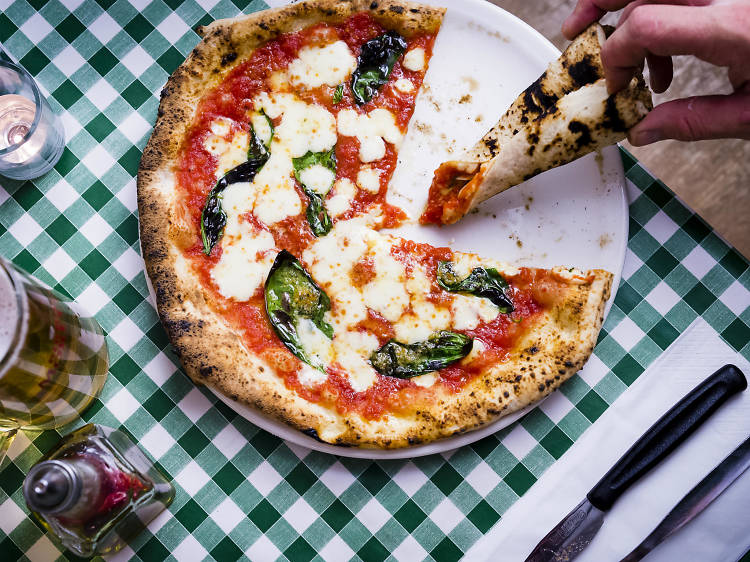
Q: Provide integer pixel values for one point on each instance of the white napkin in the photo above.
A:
(720, 533)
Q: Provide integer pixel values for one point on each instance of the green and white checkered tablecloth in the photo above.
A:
(241, 491)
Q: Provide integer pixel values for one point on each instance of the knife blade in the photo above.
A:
(566, 540)
(696, 500)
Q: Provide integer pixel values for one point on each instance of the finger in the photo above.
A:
(697, 118)
(633, 5)
(587, 12)
(667, 30)
(739, 77)
(661, 71)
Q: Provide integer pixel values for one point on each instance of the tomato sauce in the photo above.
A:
(386, 395)
(362, 272)
(195, 173)
(378, 326)
(442, 194)
(450, 194)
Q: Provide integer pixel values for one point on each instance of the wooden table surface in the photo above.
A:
(712, 177)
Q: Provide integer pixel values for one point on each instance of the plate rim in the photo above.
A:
(289, 434)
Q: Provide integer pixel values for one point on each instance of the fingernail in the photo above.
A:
(640, 138)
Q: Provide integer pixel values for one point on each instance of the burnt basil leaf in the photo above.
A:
(404, 361)
(481, 282)
(317, 216)
(213, 217)
(338, 95)
(213, 220)
(374, 65)
(292, 295)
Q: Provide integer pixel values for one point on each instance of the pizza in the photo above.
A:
(565, 114)
(262, 205)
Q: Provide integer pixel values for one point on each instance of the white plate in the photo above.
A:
(574, 215)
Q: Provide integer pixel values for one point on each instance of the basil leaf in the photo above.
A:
(338, 95)
(259, 132)
(325, 159)
(404, 361)
(481, 282)
(257, 149)
(292, 295)
(317, 216)
(374, 65)
(213, 217)
(213, 220)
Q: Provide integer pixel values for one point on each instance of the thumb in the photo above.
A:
(696, 118)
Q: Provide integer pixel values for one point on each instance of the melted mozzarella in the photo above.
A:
(315, 66)
(414, 59)
(244, 264)
(278, 81)
(344, 192)
(237, 199)
(353, 350)
(221, 127)
(318, 178)
(349, 309)
(369, 179)
(404, 85)
(330, 259)
(464, 263)
(261, 127)
(371, 129)
(274, 204)
(571, 274)
(426, 380)
(469, 311)
(423, 321)
(331, 256)
(386, 293)
(304, 127)
(229, 153)
(477, 348)
(425, 317)
(310, 376)
(313, 341)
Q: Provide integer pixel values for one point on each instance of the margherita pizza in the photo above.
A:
(262, 198)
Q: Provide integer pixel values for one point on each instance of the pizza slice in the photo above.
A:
(262, 196)
(401, 343)
(565, 114)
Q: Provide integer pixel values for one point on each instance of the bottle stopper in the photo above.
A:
(51, 487)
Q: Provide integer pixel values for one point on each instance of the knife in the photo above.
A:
(575, 531)
(696, 500)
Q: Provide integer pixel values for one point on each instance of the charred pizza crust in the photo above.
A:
(213, 353)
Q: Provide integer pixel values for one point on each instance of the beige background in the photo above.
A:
(713, 177)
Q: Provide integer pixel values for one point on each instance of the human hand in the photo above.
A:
(716, 31)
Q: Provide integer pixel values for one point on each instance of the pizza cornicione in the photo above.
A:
(262, 199)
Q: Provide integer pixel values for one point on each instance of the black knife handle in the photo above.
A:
(666, 434)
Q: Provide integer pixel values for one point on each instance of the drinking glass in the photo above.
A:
(53, 356)
(31, 136)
